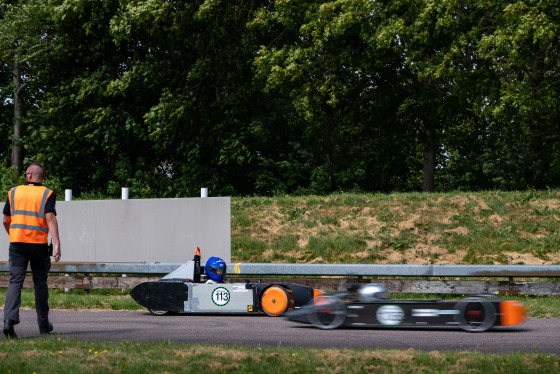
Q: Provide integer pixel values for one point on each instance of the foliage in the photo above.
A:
(10, 177)
(25, 38)
(300, 96)
(318, 55)
(524, 51)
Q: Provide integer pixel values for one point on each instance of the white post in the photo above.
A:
(125, 193)
(67, 195)
(204, 192)
(124, 276)
(65, 288)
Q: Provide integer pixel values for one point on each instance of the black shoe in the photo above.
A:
(47, 331)
(9, 329)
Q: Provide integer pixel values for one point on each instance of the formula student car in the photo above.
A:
(368, 306)
(182, 291)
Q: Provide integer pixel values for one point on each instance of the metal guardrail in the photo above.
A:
(399, 270)
(320, 269)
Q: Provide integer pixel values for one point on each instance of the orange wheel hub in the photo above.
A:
(276, 300)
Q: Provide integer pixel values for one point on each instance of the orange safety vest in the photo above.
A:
(29, 222)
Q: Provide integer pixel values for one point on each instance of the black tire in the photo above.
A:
(159, 312)
(328, 313)
(476, 314)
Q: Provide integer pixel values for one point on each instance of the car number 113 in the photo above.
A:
(220, 296)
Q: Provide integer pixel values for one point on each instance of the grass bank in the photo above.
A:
(491, 227)
(54, 355)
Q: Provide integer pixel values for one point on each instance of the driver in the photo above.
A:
(215, 270)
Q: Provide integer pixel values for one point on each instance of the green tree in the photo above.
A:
(25, 34)
(298, 96)
(94, 140)
(319, 55)
(413, 59)
(6, 114)
(524, 51)
(209, 123)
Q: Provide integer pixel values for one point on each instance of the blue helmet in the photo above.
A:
(216, 269)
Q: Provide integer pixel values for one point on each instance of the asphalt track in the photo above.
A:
(535, 335)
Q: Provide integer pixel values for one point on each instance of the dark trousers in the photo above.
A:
(20, 256)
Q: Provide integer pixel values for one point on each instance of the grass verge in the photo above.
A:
(53, 355)
(546, 306)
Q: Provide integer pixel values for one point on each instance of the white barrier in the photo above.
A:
(141, 230)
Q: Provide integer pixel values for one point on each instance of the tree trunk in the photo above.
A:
(429, 166)
(17, 152)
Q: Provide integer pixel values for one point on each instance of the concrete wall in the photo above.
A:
(143, 230)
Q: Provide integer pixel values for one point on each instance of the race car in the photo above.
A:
(368, 306)
(183, 291)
